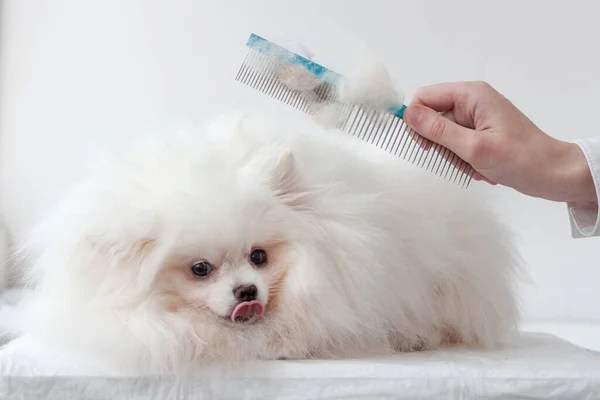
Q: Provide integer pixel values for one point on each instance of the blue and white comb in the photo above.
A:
(267, 68)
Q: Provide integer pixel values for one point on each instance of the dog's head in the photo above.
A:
(234, 244)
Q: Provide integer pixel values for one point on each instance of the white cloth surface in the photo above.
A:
(584, 217)
(530, 366)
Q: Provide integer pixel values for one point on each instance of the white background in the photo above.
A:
(74, 72)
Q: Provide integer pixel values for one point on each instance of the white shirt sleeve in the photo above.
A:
(585, 219)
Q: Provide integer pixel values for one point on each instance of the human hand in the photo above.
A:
(486, 130)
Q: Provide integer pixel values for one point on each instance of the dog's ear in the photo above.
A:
(285, 181)
(129, 264)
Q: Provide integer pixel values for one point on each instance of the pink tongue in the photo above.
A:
(247, 309)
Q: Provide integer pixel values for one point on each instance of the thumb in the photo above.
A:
(439, 129)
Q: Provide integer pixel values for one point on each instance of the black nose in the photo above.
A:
(245, 292)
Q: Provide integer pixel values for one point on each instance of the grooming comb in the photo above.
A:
(267, 68)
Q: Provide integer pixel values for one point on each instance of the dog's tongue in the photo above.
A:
(247, 309)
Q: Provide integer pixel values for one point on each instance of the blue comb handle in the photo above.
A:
(271, 49)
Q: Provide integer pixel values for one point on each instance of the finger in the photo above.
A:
(439, 97)
(441, 130)
(436, 157)
(427, 144)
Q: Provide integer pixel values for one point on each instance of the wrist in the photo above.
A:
(573, 176)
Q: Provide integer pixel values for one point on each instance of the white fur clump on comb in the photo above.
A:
(371, 86)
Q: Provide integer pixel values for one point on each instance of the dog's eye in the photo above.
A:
(202, 268)
(258, 257)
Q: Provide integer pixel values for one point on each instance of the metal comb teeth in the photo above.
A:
(380, 128)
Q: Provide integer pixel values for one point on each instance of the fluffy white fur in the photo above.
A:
(367, 254)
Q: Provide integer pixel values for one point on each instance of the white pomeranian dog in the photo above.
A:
(252, 242)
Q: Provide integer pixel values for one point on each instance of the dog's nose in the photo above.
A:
(245, 292)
